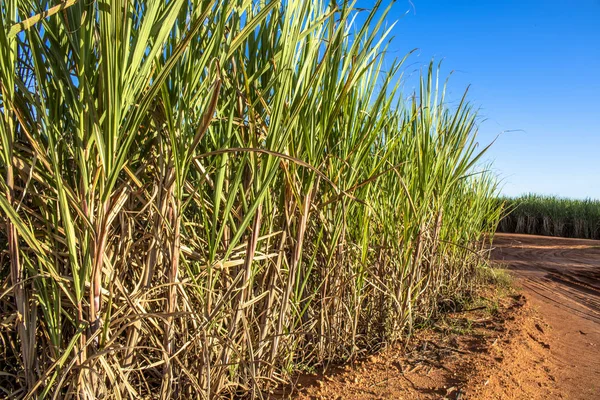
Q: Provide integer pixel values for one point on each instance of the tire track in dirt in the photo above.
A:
(561, 277)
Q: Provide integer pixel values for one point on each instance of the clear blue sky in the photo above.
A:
(533, 66)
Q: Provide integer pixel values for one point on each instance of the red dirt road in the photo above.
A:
(561, 279)
(541, 343)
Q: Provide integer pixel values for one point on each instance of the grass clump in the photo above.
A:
(491, 286)
(199, 196)
(552, 216)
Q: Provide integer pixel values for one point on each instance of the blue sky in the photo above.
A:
(534, 69)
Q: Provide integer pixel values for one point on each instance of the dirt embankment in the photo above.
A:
(543, 343)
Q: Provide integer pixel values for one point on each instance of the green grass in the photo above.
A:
(200, 197)
(552, 216)
(491, 285)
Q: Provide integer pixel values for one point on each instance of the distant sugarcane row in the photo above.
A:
(552, 216)
(200, 198)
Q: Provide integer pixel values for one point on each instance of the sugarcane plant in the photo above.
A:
(200, 198)
(551, 216)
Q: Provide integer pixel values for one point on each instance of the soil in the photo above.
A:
(561, 279)
(542, 342)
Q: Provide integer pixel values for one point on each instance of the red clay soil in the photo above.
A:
(561, 278)
(543, 343)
